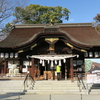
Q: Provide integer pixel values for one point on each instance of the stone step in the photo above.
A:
(62, 88)
(94, 90)
(55, 81)
(55, 87)
(58, 86)
(41, 87)
(8, 86)
(55, 92)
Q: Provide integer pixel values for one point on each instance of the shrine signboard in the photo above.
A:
(92, 69)
(93, 78)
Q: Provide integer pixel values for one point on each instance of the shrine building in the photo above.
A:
(38, 48)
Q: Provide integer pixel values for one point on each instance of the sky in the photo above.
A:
(82, 11)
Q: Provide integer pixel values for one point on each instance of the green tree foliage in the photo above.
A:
(97, 18)
(97, 23)
(36, 14)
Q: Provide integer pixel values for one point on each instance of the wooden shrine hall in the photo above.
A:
(69, 44)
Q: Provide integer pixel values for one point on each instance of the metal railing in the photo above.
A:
(28, 81)
(80, 81)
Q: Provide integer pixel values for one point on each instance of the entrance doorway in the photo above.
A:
(48, 72)
(47, 65)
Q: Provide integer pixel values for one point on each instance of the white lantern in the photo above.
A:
(96, 54)
(11, 55)
(6, 55)
(16, 55)
(2, 55)
(90, 54)
(86, 54)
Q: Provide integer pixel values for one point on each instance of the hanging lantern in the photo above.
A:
(16, 55)
(64, 60)
(85, 54)
(6, 55)
(59, 62)
(51, 63)
(96, 54)
(43, 63)
(90, 54)
(11, 55)
(2, 55)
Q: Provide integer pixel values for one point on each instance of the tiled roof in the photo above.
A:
(81, 33)
(19, 36)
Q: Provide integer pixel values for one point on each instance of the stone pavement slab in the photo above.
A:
(14, 96)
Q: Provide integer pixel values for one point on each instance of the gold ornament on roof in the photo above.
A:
(51, 39)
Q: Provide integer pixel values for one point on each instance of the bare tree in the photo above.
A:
(6, 10)
(7, 7)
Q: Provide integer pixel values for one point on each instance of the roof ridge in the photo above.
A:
(56, 24)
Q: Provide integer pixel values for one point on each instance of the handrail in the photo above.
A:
(80, 80)
(26, 78)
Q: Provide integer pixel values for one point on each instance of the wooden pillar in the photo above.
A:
(71, 69)
(20, 68)
(32, 69)
(5, 67)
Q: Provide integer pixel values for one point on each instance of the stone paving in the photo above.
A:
(14, 96)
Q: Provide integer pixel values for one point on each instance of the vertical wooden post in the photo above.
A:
(5, 67)
(71, 69)
(20, 68)
(32, 69)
